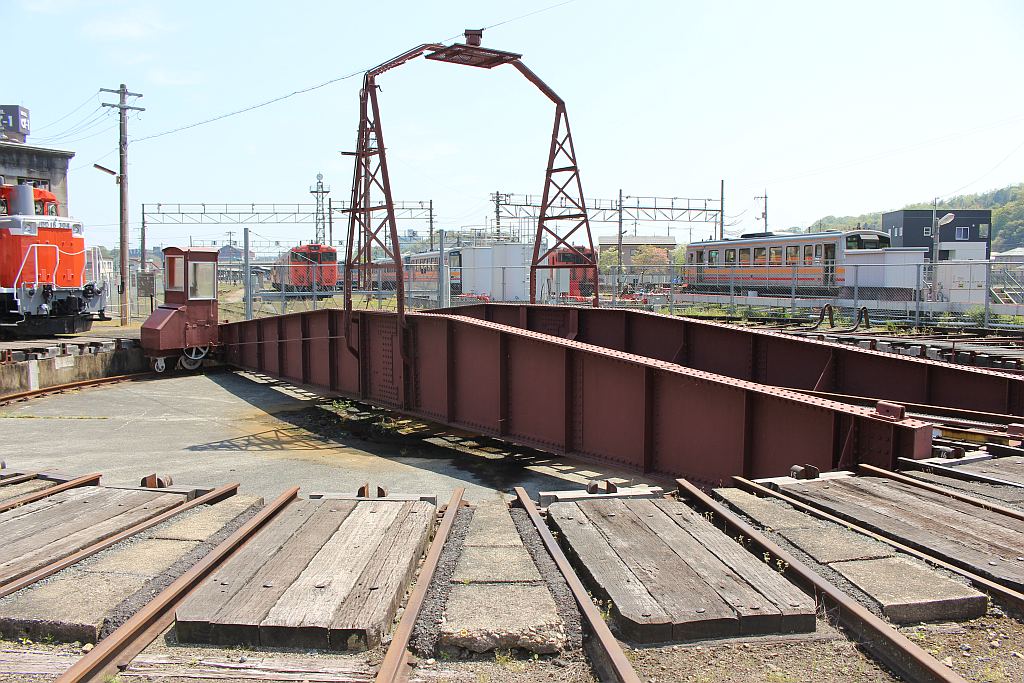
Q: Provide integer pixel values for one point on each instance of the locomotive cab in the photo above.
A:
(184, 327)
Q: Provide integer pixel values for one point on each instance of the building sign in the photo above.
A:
(14, 122)
(144, 284)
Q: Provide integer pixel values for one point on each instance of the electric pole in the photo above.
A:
(499, 199)
(231, 238)
(764, 214)
(431, 218)
(721, 208)
(320, 190)
(122, 181)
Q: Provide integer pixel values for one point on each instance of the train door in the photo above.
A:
(830, 264)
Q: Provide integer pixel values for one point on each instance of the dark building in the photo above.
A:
(42, 167)
(966, 238)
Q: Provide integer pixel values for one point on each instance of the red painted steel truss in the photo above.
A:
(372, 230)
(566, 397)
(767, 357)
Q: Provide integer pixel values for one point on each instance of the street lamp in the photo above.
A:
(124, 280)
(936, 224)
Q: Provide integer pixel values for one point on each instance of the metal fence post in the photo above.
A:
(313, 288)
(917, 297)
(440, 269)
(856, 288)
(988, 291)
(792, 293)
(246, 275)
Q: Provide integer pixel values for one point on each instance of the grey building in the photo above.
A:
(968, 237)
(47, 169)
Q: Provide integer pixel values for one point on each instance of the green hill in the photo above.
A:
(1007, 206)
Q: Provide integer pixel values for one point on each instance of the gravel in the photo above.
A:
(133, 603)
(427, 629)
(564, 600)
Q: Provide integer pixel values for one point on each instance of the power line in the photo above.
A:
(91, 120)
(55, 122)
(1000, 163)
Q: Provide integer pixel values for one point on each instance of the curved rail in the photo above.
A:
(133, 636)
(904, 657)
(57, 388)
(395, 667)
(606, 656)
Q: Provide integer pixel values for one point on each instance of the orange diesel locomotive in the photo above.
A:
(305, 268)
(42, 267)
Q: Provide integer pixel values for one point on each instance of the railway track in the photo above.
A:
(7, 399)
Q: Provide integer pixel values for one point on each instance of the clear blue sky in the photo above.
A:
(835, 108)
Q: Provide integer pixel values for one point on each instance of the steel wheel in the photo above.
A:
(191, 363)
(196, 352)
(159, 365)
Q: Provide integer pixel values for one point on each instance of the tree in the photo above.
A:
(650, 255)
(607, 260)
(679, 254)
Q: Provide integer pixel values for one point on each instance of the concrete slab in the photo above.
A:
(24, 488)
(67, 610)
(492, 526)
(495, 565)
(146, 558)
(203, 523)
(482, 617)
(910, 592)
(828, 543)
(767, 512)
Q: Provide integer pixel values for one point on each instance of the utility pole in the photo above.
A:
(430, 216)
(618, 248)
(499, 199)
(764, 214)
(721, 208)
(122, 181)
(231, 240)
(320, 218)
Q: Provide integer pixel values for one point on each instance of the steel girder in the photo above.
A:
(567, 397)
(768, 357)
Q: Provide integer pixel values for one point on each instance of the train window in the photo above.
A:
(817, 252)
(745, 257)
(202, 280)
(730, 256)
(793, 254)
(689, 257)
(299, 257)
(700, 256)
(3, 207)
(808, 254)
(328, 257)
(759, 256)
(775, 256)
(175, 274)
(713, 257)
(455, 259)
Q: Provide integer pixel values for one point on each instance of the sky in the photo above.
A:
(832, 108)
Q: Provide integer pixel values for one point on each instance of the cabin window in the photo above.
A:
(793, 254)
(713, 257)
(744, 257)
(328, 257)
(759, 256)
(775, 256)
(700, 256)
(202, 280)
(730, 256)
(808, 254)
(175, 274)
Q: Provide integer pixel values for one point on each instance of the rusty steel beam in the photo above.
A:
(394, 668)
(879, 637)
(769, 357)
(566, 397)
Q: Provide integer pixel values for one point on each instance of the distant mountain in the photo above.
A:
(1007, 206)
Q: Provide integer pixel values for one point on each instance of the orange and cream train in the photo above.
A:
(813, 264)
(43, 289)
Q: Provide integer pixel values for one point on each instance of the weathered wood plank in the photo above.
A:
(238, 620)
(1009, 468)
(12, 521)
(637, 614)
(855, 510)
(364, 616)
(302, 616)
(757, 614)
(63, 540)
(797, 609)
(696, 610)
(194, 617)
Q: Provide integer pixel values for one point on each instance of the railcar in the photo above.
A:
(306, 268)
(812, 264)
(43, 287)
(567, 277)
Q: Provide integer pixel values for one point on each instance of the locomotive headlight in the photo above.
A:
(76, 229)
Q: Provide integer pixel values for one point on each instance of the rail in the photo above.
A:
(606, 656)
(85, 480)
(103, 662)
(57, 388)
(213, 496)
(395, 666)
(1008, 596)
(891, 647)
